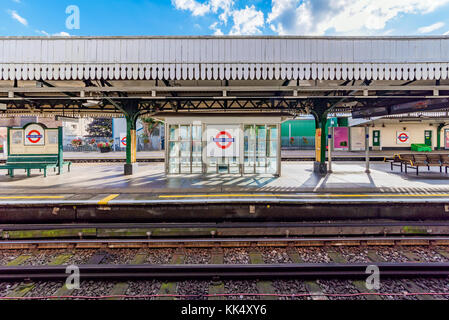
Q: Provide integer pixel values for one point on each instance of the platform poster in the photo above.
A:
(357, 139)
(318, 145)
(446, 138)
(223, 141)
(341, 138)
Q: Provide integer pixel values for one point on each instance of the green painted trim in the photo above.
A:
(439, 128)
(9, 141)
(129, 126)
(34, 155)
(60, 151)
(323, 127)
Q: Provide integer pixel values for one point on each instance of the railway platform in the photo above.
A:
(287, 155)
(99, 192)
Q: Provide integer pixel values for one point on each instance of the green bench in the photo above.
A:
(37, 162)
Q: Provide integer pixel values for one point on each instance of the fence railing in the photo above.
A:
(90, 144)
(298, 143)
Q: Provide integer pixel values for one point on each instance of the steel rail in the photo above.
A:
(217, 240)
(250, 271)
(224, 225)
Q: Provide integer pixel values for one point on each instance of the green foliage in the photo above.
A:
(150, 124)
(100, 128)
(77, 142)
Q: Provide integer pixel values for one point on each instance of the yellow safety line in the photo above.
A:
(305, 195)
(106, 200)
(33, 197)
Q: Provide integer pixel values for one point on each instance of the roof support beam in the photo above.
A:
(45, 83)
(145, 89)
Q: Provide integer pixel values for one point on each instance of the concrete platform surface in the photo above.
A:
(150, 181)
(286, 154)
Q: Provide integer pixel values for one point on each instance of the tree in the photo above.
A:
(150, 124)
(100, 127)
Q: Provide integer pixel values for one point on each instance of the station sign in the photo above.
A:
(318, 145)
(34, 135)
(123, 140)
(446, 134)
(223, 140)
(402, 137)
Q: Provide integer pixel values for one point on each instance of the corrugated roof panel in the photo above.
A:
(224, 58)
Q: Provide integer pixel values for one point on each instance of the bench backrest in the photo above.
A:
(434, 158)
(406, 157)
(420, 158)
(445, 158)
(51, 159)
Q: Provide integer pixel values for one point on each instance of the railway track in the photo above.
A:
(370, 231)
(328, 272)
(218, 272)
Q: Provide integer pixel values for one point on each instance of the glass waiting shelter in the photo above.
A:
(243, 144)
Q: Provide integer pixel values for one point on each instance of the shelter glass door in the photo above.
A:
(261, 144)
(185, 149)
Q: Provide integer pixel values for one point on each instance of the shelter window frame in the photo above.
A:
(185, 148)
(260, 149)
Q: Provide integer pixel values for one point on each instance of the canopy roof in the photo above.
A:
(97, 76)
(224, 58)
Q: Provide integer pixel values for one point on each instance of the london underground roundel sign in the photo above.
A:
(403, 137)
(34, 135)
(224, 140)
(123, 141)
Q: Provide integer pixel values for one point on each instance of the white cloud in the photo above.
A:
(197, 8)
(432, 27)
(42, 32)
(223, 5)
(216, 29)
(17, 17)
(247, 21)
(316, 17)
(446, 33)
(59, 34)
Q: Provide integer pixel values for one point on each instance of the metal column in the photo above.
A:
(331, 144)
(367, 148)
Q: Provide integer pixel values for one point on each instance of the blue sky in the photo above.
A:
(208, 17)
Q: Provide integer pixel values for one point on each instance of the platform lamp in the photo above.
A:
(91, 103)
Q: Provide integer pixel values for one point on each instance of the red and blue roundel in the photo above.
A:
(224, 140)
(34, 136)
